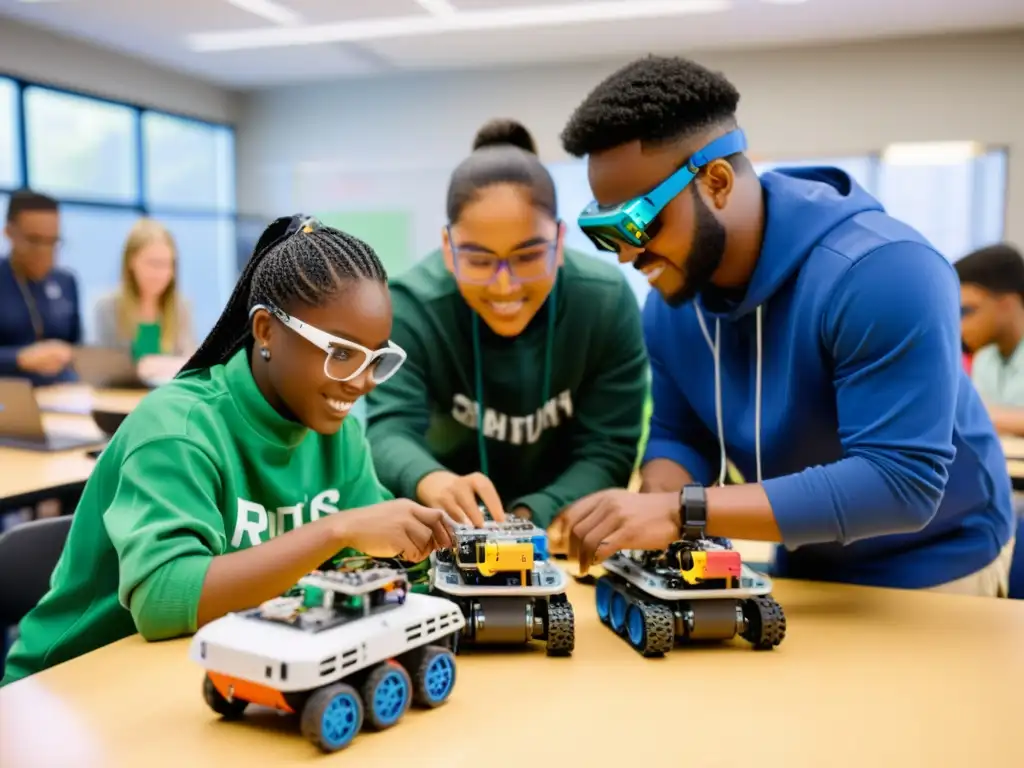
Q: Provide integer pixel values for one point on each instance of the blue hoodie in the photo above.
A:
(839, 385)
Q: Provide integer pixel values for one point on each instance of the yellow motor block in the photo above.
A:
(504, 556)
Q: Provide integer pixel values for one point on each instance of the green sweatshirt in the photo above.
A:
(202, 467)
(549, 439)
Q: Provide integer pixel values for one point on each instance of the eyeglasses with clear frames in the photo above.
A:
(345, 360)
(535, 262)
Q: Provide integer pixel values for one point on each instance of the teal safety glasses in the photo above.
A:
(627, 224)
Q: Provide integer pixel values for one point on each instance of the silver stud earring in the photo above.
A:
(265, 353)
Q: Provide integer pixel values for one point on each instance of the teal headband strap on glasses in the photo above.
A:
(627, 223)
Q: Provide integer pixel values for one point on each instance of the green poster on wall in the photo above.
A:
(388, 232)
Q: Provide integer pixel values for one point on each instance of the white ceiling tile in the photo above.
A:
(156, 30)
(334, 11)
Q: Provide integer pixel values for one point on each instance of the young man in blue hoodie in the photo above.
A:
(798, 330)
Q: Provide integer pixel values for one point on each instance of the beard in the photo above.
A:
(706, 254)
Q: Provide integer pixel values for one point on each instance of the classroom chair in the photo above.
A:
(1017, 564)
(28, 554)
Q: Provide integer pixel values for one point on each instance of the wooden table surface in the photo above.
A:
(66, 408)
(81, 400)
(28, 472)
(865, 677)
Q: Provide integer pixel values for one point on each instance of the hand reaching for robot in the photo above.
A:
(601, 524)
(461, 495)
(399, 528)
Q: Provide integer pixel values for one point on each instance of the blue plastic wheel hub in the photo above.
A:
(340, 721)
(390, 697)
(439, 677)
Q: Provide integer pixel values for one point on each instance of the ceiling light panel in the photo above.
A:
(268, 10)
(437, 7)
(150, 24)
(536, 16)
(932, 153)
(337, 11)
(495, 5)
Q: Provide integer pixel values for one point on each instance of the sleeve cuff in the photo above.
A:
(683, 455)
(415, 471)
(166, 605)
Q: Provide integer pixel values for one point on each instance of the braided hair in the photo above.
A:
(296, 260)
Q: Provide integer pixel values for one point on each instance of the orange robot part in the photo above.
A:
(254, 693)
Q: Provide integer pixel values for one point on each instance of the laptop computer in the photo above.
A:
(107, 368)
(21, 422)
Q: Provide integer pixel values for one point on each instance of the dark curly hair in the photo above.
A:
(653, 100)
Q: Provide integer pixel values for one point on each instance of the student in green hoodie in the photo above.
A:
(504, 322)
(248, 446)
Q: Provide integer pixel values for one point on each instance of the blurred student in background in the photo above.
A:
(503, 322)
(145, 314)
(39, 312)
(992, 325)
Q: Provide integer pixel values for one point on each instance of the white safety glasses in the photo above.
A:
(345, 359)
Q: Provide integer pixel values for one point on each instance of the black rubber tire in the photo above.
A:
(766, 623)
(659, 629)
(561, 629)
(229, 710)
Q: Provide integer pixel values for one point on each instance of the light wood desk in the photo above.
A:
(82, 400)
(1013, 446)
(865, 678)
(28, 476)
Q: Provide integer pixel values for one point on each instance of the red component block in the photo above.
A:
(723, 565)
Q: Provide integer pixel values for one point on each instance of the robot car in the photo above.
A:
(344, 650)
(508, 589)
(695, 590)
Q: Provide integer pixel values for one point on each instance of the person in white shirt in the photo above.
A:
(992, 327)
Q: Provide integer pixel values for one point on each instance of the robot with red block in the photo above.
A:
(696, 590)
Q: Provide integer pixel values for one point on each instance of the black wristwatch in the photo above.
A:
(693, 512)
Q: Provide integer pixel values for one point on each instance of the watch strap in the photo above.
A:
(693, 511)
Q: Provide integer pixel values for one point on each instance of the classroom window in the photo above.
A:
(92, 241)
(81, 148)
(10, 172)
(862, 168)
(952, 193)
(188, 165)
(206, 265)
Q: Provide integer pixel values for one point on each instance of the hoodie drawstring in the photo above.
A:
(478, 374)
(715, 354)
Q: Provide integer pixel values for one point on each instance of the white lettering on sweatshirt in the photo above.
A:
(523, 429)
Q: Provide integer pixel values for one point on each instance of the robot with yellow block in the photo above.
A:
(508, 589)
(695, 590)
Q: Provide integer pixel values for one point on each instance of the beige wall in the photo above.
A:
(797, 103)
(34, 54)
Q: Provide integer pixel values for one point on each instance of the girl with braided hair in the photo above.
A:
(248, 446)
